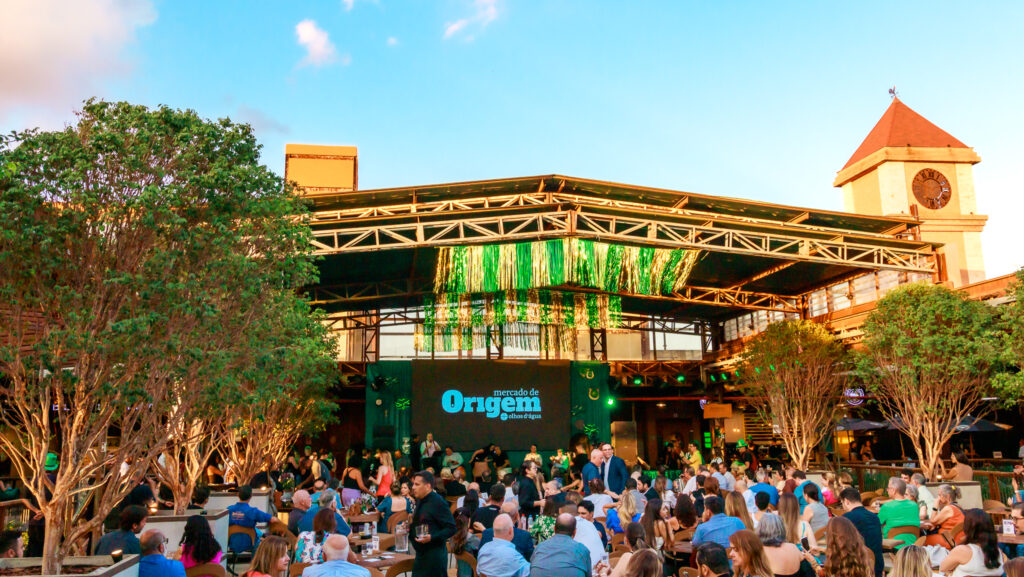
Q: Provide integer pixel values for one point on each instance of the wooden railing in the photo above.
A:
(869, 477)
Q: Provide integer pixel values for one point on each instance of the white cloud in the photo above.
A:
(319, 49)
(54, 53)
(348, 4)
(392, 41)
(484, 12)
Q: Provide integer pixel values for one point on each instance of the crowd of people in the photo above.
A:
(583, 512)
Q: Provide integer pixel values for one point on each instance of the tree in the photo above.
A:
(794, 375)
(928, 355)
(1008, 383)
(135, 245)
(284, 391)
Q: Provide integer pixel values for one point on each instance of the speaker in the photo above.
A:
(624, 440)
(384, 437)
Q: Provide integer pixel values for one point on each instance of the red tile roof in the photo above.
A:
(901, 126)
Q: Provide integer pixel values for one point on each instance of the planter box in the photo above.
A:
(970, 493)
(127, 567)
(173, 527)
(262, 499)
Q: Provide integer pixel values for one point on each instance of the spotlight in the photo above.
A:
(680, 378)
(638, 381)
(611, 401)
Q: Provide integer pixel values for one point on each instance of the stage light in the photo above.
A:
(680, 378)
(660, 405)
(638, 381)
(713, 379)
(611, 401)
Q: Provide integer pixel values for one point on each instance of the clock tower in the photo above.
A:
(909, 167)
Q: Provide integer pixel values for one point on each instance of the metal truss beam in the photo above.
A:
(713, 236)
(540, 198)
(359, 294)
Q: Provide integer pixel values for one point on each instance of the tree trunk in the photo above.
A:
(182, 497)
(53, 559)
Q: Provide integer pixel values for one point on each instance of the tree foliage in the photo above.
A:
(794, 374)
(1008, 383)
(928, 356)
(141, 249)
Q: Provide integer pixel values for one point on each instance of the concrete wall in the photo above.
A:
(173, 527)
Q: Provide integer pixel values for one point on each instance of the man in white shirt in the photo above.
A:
(748, 495)
(474, 486)
(587, 535)
(689, 477)
(924, 496)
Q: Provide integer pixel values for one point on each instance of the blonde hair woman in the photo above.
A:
(270, 558)
(912, 561)
(620, 517)
(736, 506)
(796, 528)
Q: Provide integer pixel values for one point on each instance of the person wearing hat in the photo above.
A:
(744, 456)
(37, 523)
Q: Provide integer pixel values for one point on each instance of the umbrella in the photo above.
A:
(967, 424)
(848, 424)
(971, 424)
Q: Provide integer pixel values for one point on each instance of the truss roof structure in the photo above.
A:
(379, 247)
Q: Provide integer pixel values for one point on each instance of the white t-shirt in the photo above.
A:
(691, 486)
(483, 502)
(599, 502)
(587, 534)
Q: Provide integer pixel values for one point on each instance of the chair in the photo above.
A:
(374, 572)
(453, 503)
(952, 534)
(395, 519)
(235, 556)
(466, 558)
(399, 568)
(914, 530)
(620, 548)
(617, 539)
(206, 570)
(295, 569)
(687, 572)
(819, 535)
(993, 505)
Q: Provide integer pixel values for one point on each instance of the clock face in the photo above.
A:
(932, 189)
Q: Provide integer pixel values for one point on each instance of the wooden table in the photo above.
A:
(364, 518)
(682, 547)
(1011, 539)
(378, 562)
(387, 540)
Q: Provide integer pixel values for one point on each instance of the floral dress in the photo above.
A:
(543, 528)
(307, 550)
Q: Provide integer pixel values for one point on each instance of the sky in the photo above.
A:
(756, 100)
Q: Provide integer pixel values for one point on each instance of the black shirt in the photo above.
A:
(486, 515)
(454, 489)
(870, 528)
(527, 494)
(432, 511)
(141, 495)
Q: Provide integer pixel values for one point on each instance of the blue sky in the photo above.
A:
(758, 100)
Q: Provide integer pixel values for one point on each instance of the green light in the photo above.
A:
(725, 376)
(757, 370)
(680, 378)
(611, 402)
(772, 367)
(638, 381)
(713, 379)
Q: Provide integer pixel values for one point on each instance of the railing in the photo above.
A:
(870, 477)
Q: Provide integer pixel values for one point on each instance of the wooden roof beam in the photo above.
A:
(799, 218)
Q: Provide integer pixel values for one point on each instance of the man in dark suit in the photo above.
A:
(614, 471)
(867, 524)
(521, 538)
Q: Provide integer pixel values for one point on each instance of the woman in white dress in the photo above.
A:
(979, 556)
